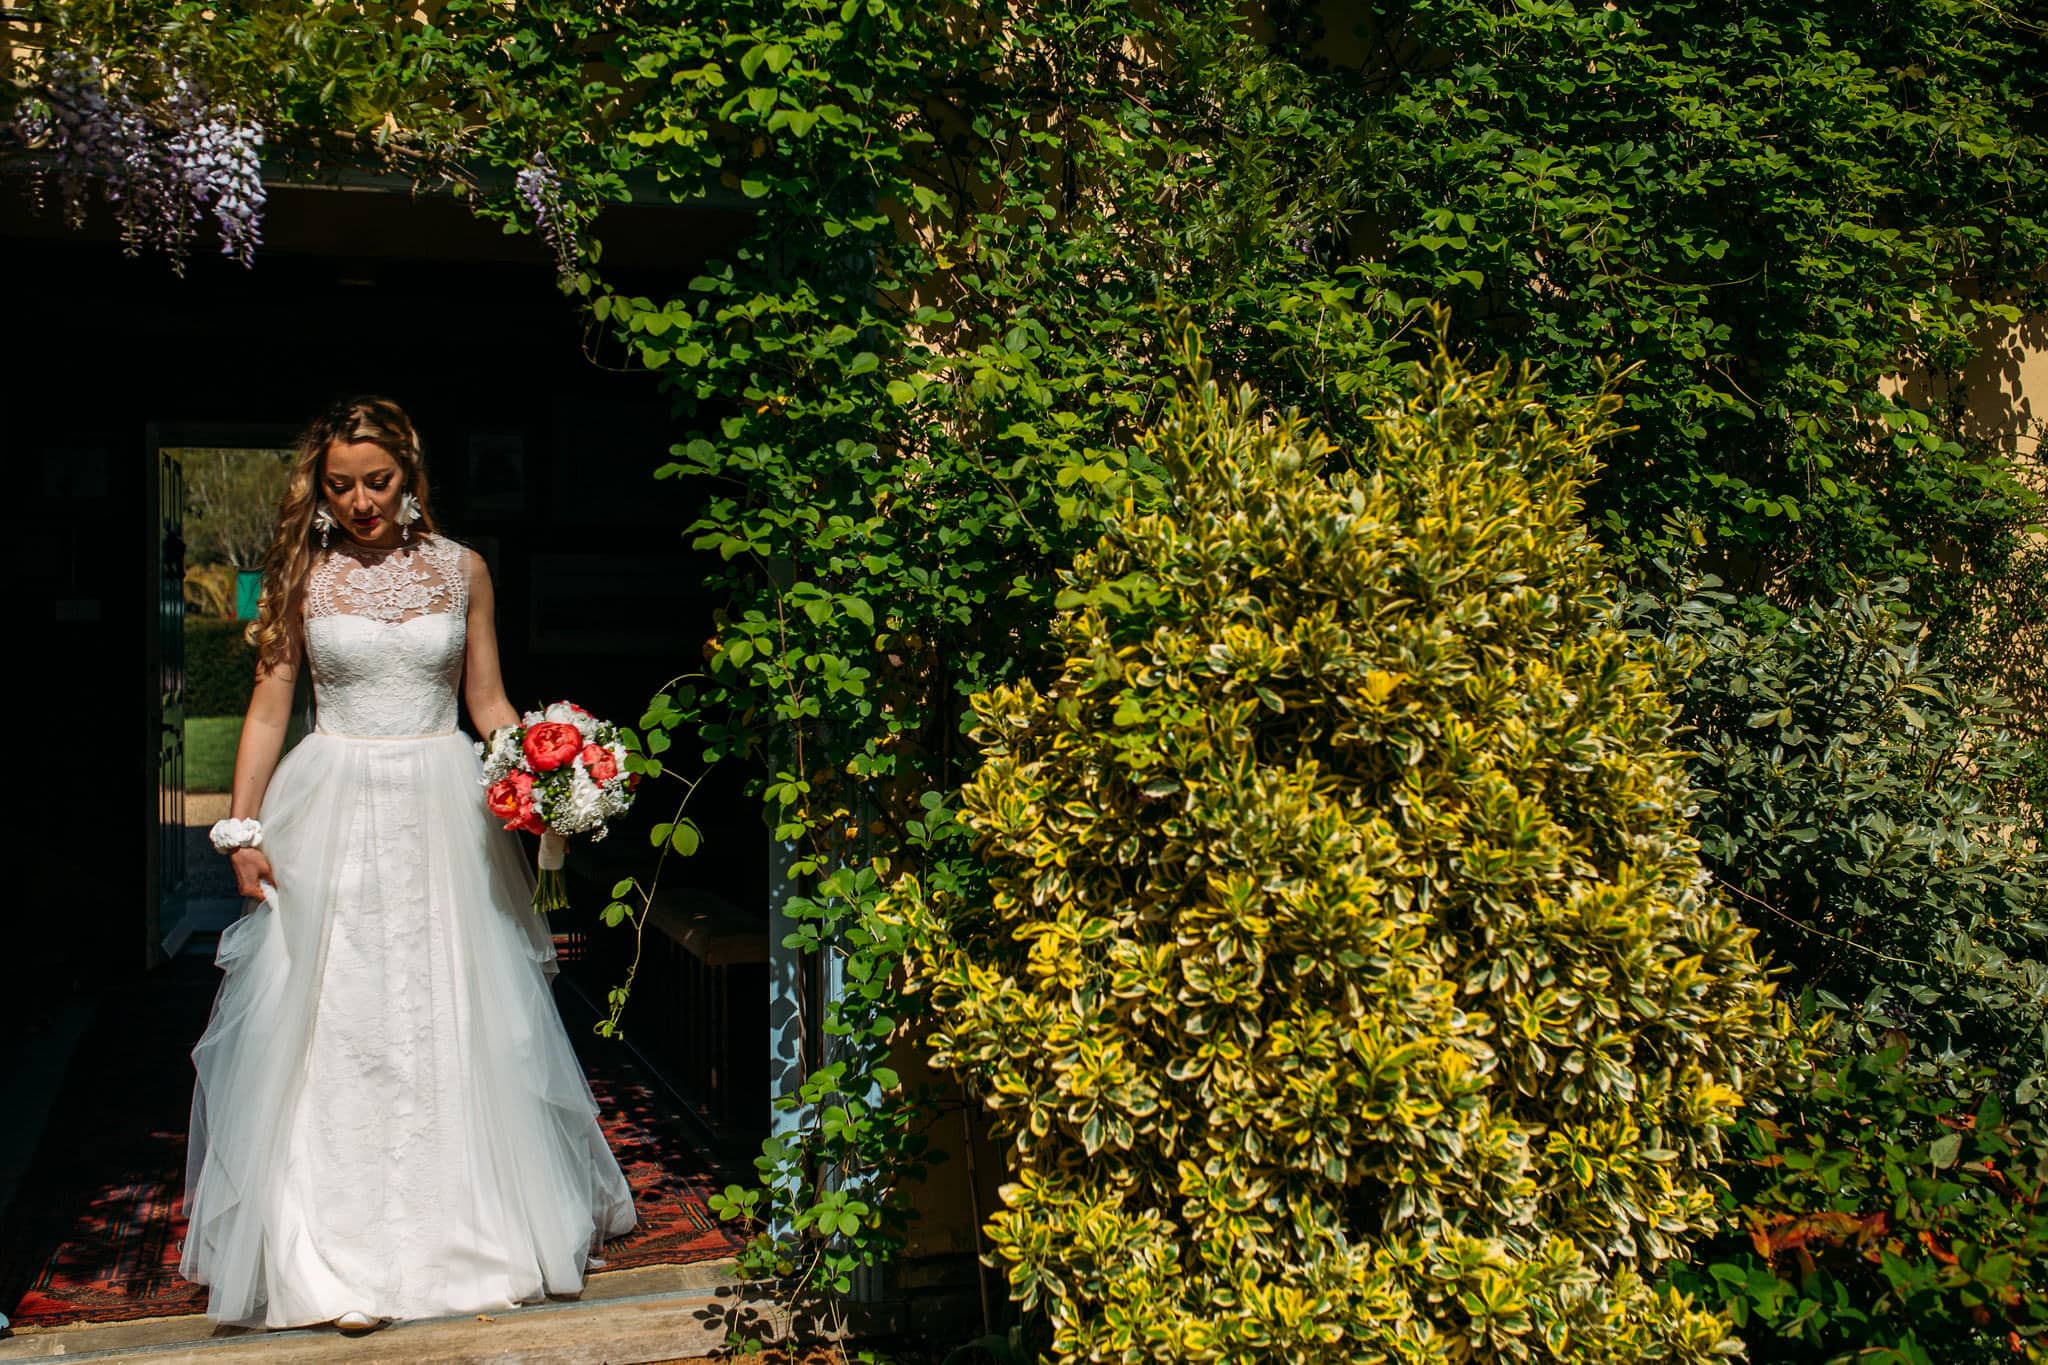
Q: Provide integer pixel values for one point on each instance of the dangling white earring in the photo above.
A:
(408, 513)
(324, 519)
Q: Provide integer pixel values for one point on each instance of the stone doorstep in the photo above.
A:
(655, 1313)
(203, 808)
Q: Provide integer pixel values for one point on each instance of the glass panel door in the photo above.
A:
(170, 623)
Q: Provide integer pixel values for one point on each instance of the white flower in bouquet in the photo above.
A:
(583, 810)
(502, 754)
(593, 730)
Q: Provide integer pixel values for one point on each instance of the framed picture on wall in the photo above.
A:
(611, 604)
(497, 474)
(79, 472)
(603, 455)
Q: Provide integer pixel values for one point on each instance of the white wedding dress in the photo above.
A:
(388, 1118)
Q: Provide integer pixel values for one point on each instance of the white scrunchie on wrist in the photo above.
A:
(229, 835)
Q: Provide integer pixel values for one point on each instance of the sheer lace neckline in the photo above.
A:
(400, 584)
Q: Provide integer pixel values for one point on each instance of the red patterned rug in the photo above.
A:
(94, 1232)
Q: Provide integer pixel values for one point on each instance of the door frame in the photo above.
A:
(169, 916)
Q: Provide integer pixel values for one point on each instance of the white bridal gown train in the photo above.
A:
(388, 1118)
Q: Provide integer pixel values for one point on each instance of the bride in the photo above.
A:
(388, 1121)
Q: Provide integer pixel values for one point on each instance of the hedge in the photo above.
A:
(220, 668)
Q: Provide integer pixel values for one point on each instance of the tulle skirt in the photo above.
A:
(388, 1117)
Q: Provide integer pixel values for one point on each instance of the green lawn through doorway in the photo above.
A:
(210, 750)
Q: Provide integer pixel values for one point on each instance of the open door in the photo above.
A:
(167, 684)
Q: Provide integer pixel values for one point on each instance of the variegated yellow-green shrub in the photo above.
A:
(1345, 979)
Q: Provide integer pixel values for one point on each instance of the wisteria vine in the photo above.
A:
(162, 164)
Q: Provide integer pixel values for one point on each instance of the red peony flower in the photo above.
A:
(551, 744)
(599, 763)
(510, 798)
(533, 824)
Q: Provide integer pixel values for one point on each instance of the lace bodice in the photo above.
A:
(392, 586)
(384, 638)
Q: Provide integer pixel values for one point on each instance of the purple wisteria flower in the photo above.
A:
(539, 187)
(162, 166)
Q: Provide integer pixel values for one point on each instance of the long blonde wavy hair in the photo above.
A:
(296, 546)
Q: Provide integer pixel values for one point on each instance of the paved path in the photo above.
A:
(624, 1317)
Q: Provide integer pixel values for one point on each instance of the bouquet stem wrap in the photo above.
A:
(550, 892)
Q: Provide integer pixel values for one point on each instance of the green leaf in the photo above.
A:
(1942, 1151)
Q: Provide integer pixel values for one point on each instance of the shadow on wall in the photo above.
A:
(2003, 391)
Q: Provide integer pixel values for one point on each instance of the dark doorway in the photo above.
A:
(541, 458)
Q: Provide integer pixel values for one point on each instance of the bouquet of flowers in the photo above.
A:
(560, 771)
